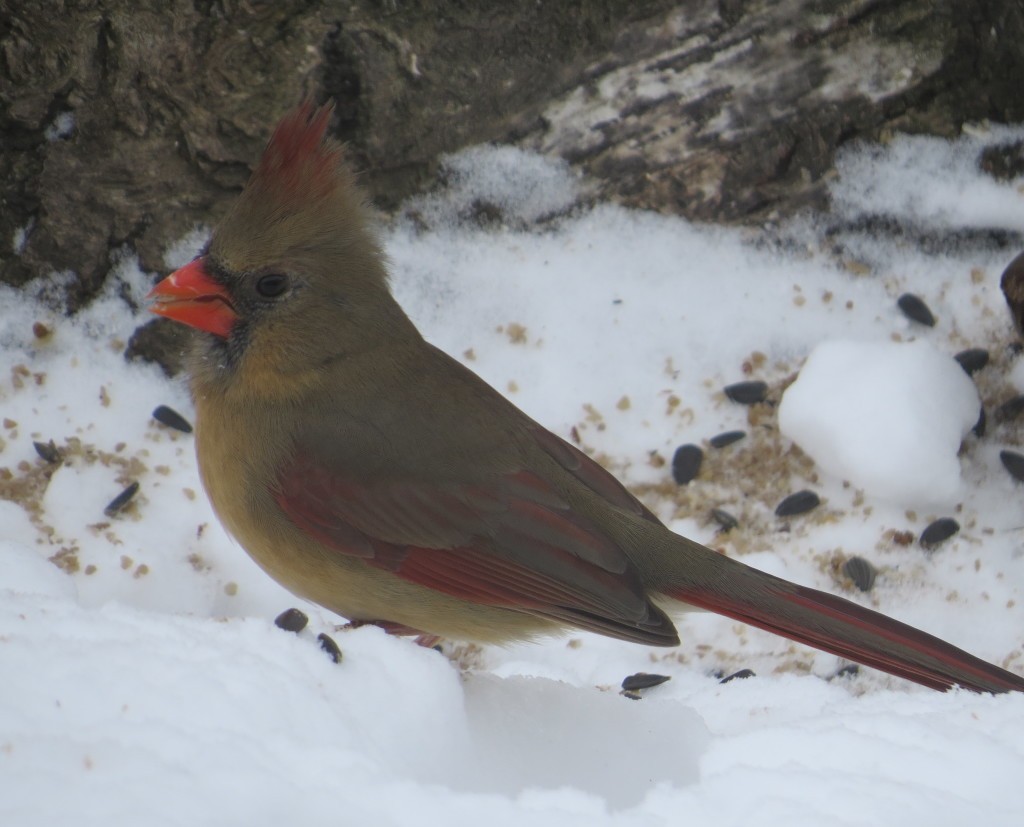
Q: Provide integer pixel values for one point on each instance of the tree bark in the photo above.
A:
(124, 124)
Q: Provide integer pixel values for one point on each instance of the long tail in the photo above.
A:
(839, 626)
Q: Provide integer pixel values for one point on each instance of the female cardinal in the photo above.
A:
(371, 473)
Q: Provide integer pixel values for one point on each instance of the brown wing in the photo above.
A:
(509, 541)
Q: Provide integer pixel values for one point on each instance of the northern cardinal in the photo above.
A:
(369, 472)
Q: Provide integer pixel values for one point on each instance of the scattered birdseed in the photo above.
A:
(972, 360)
(915, 309)
(747, 393)
(981, 425)
(1014, 463)
(643, 680)
(724, 519)
(939, 531)
(1010, 409)
(291, 620)
(686, 463)
(727, 438)
(121, 500)
(330, 647)
(861, 572)
(740, 675)
(850, 670)
(172, 419)
(48, 451)
(799, 503)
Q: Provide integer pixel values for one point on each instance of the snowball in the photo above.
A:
(887, 417)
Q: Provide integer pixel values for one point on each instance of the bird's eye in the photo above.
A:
(272, 285)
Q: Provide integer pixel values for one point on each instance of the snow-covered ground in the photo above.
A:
(142, 679)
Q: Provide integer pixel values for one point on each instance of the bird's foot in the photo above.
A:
(393, 628)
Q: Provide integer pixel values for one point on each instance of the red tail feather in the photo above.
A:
(844, 628)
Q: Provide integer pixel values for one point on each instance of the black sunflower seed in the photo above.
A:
(121, 500)
(915, 309)
(850, 670)
(861, 572)
(973, 359)
(643, 680)
(330, 647)
(291, 620)
(724, 519)
(48, 451)
(742, 673)
(1010, 409)
(981, 424)
(1014, 463)
(747, 393)
(939, 531)
(799, 503)
(727, 438)
(172, 419)
(686, 463)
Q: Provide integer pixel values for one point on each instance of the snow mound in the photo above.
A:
(888, 417)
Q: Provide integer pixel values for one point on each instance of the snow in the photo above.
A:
(888, 416)
(515, 183)
(61, 127)
(956, 197)
(144, 681)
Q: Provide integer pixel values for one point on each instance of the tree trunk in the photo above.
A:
(123, 124)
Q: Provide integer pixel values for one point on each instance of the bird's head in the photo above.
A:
(293, 275)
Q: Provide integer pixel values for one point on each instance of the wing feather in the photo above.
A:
(509, 541)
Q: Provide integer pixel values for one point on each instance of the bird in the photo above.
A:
(371, 473)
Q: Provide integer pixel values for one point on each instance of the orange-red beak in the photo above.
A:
(190, 296)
